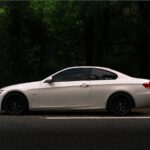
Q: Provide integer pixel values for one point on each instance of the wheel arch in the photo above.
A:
(17, 92)
(122, 92)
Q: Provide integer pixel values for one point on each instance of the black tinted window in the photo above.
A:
(100, 74)
(76, 74)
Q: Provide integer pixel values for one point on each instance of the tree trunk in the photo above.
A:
(143, 39)
(89, 40)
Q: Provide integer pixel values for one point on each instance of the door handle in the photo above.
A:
(84, 85)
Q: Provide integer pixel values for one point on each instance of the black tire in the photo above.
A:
(120, 104)
(15, 103)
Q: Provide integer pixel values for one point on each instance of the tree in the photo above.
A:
(143, 35)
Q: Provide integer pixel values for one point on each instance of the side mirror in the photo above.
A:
(50, 80)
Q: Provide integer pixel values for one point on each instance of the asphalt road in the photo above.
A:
(75, 131)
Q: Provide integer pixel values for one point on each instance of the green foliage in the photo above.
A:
(38, 38)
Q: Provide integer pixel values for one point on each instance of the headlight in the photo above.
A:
(1, 91)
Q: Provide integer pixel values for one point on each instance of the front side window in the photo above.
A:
(75, 74)
(100, 74)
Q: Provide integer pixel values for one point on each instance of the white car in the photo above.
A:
(78, 88)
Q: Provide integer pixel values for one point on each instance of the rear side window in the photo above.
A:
(100, 74)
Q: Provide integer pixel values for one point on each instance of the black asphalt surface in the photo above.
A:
(55, 131)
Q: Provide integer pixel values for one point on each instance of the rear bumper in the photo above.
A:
(142, 99)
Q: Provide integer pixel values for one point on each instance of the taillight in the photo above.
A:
(146, 85)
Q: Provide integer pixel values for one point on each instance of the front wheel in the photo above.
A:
(120, 104)
(15, 104)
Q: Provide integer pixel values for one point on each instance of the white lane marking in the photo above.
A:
(92, 117)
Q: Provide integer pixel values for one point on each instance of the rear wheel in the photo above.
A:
(15, 103)
(120, 104)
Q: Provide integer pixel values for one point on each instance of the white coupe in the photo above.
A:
(78, 88)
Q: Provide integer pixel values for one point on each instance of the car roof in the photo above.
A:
(98, 67)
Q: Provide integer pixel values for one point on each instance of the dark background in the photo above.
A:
(38, 38)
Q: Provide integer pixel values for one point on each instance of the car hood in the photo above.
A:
(23, 86)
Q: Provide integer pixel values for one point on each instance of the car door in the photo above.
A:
(102, 85)
(69, 88)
